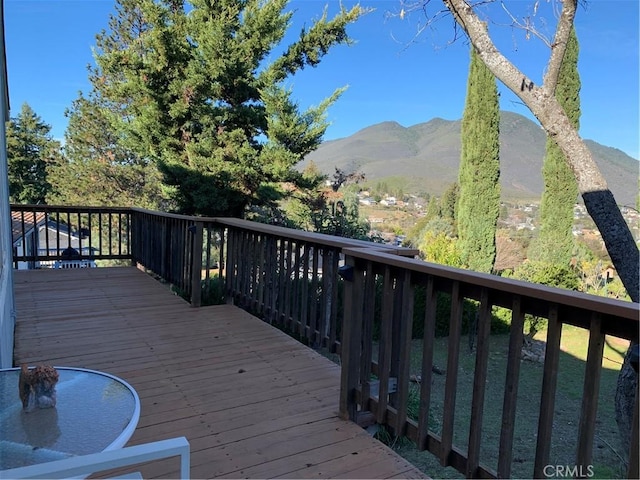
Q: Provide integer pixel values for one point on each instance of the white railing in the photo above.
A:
(97, 462)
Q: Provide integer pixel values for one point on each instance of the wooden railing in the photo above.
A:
(169, 246)
(376, 381)
(290, 277)
(334, 292)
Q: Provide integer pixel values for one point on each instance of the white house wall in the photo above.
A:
(7, 309)
(56, 238)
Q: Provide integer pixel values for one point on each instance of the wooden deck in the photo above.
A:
(253, 402)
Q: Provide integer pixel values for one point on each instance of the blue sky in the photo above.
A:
(391, 73)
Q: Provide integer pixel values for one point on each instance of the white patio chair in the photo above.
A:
(84, 465)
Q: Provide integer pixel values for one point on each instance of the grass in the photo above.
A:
(606, 460)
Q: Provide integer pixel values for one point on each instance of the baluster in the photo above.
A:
(590, 393)
(428, 337)
(548, 395)
(367, 334)
(282, 280)
(455, 327)
(385, 344)
(511, 389)
(304, 296)
(479, 384)
(315, 337)
(404, 341)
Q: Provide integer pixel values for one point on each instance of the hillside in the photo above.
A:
(428, 155)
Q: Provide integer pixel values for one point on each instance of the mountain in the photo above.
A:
(427, 155)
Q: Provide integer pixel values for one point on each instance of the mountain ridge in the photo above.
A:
(428, 156)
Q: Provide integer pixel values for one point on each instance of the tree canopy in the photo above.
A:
(198, 89)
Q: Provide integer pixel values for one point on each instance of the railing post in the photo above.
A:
(230, 267)
(196, 264)
(351, 332)
(135, 236)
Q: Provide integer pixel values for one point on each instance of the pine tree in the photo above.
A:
(96, 169)
(30, 152)
(197, 95)
(555, 242)
(478, 205)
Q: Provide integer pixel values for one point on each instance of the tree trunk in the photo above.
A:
(626, 388)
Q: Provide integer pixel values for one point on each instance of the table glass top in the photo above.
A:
(94, 412)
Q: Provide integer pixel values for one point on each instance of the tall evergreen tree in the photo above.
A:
(197, 94)
(478, 205)
(555, 242)
(30, 152)
(96, 169)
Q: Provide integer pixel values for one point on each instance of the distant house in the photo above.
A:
(33, 234)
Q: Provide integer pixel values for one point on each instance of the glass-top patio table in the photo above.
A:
(95, 412)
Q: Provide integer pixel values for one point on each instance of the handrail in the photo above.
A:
(313, 237)
(508, 287)
(69, 208)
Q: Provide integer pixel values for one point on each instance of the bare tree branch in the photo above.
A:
(559, 46)
(528, 26)
(409, 6)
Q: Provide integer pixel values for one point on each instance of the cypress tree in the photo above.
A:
(555, 242)
(449, 203)
(478, 205)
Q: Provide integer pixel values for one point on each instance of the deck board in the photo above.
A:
(253, 402)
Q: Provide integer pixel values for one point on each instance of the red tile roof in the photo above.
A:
(28, 219)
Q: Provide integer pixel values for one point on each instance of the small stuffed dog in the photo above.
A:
(37, 387)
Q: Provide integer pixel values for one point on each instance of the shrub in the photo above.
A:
(550, 274)
(213, 291)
